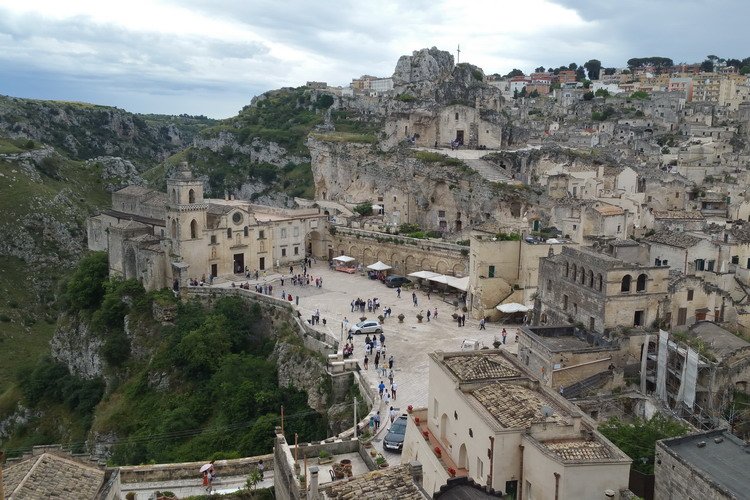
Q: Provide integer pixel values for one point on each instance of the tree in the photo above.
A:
(639, 94)
(514, 72)
(580, 74)
(364, 208)
(593, 67)
(85, 289)
(534, 93)
(745, 70)
(255, 477)
(638, 439)
(540, 69)
(602, 93)
(707, 66)
(610, 71)
(324, 101)
(588, 96)
(572, 66)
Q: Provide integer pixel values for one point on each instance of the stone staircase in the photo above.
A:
(487, 170)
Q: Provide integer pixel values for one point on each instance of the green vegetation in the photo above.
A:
(602, 93)
(405, 97)
(638, 439)
(640, 94)
(430, 157)
(508, 236)
(364, 208)
(345, 137)
(206, 389)
(603, 115)
(354, 123)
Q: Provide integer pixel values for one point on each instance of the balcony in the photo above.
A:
(434, 443)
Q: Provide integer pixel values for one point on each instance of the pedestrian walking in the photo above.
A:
(377, 421)
(261, 469)
(504, 334)
(429, 313)
(481, 324)
(387, 399)
(390, 362)
(393, 414)
(463, 320)
(381, 388)
(367, 360)
(377, 360)
(398, 292)
(434, 315)
(393, 390)
(414, 299)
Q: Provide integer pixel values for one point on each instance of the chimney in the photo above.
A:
(312, 493)
(415, 469)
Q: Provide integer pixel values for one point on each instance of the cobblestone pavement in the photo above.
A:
(409, 342)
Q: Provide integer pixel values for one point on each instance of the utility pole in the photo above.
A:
(458, 57)
(355, 417)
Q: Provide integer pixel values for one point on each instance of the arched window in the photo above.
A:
(625, 285)
(193, 229)
(174, 229)
(573, 274)
(191, 196)
(247, 232)
(601, 282)
(583, 276)
(567, 269)
(229, 233)
(591, 279)
(640, 284)
(174, 196)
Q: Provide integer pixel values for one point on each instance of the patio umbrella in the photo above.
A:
(344, 258)
(511, 307)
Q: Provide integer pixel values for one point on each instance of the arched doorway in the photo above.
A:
(315, 244)
(462, 458)
(443, 427)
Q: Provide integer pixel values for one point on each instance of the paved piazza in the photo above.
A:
(409, 342)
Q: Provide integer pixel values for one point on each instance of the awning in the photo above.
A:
(453, 282)
(424, 274)
(379, 266)
(512, 307)
(344, 258)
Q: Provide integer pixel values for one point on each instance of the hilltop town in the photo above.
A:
(589, 226)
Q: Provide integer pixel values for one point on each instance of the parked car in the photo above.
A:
(394, 440)
(394, 281)
(368, 326)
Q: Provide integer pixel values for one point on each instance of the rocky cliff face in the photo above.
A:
(85, 131)
(296, 368)
(426, 65)
(353, 173)
(75, 345)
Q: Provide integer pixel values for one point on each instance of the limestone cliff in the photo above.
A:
(298, 368)
(75, 345)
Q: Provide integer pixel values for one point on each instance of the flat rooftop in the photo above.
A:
(726, 463)
(563, 338)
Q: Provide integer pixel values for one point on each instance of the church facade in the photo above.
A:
(166, 239)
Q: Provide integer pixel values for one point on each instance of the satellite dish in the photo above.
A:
(547, 411)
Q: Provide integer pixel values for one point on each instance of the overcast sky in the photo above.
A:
(211, 56)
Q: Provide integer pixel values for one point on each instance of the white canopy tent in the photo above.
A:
(344, 258)
(453, 282)
(379, 266)
(512, 307)
(424, 274)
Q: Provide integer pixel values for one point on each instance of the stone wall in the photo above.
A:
(677, 479)
(189, 470)
(404, 254)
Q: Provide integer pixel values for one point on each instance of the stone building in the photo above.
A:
(562, 356)
(683, 252)
(708, 466)
(490, 420)
(598, 291)
(504, 271)
(197, 237)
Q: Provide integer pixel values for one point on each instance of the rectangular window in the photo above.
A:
(592, 323)
(681, 316)
(247, 231)
(295, 232)
(690, 294)
(735, 259)
(435, 408)
(296, 250)
(458, 215)
(441, 213)
(213, 239)
(491, 272)
(480, 468)
(575, 309)
(565, 302)
(261, 235)
(283, 233)
(549, 285)
(638, 318)
(710, 265)
(283, 252)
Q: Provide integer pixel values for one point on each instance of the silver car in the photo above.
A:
(367, 326)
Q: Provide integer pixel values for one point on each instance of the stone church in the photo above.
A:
(167, 239)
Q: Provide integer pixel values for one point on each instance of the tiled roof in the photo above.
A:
(607, 210)
(578, 449)
(678, 214)
(480, 367)
(674, 238)
(51, 476)
(384, 484)
(515, 405)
